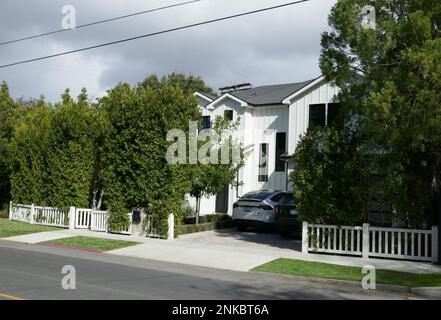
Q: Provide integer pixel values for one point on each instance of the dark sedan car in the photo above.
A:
(286, 217)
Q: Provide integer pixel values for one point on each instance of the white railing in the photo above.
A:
(99, 221)
(51, 217)
(403, 243)
(95, 220)
(367, 241)
(83, 218)
(334, 239)
(39, 215)
(21, 212)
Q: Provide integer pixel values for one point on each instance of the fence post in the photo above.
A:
(435, 244)
(305, 237)
(72, 217)
(171, 227)
(10, 210)
(366, 241)
(32, 214)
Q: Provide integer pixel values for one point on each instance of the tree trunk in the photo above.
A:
(100, 200)
(198, 208)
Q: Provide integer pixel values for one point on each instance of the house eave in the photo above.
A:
(292, 97)
(202, 96)
(242, 103)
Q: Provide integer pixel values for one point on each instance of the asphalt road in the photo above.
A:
(34, 272)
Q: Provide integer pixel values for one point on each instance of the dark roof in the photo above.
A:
(209, 96)
(268, 95)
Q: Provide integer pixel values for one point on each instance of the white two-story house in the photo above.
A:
(272, 120)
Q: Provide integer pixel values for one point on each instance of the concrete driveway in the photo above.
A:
(224, 249)
(251, 240)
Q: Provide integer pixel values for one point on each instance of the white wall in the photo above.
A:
(267, 122)
(299, 110)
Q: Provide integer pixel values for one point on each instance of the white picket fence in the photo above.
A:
(367, 241)
(39, 215)
(76, 218)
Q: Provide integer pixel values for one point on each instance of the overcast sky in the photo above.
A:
(279, 46)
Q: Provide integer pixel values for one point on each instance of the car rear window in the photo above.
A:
(257, 196)
(288, 200)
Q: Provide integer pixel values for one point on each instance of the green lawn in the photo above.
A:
(330, 271)
(14, 228)
(94, 243)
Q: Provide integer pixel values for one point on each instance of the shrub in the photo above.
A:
(208, 226)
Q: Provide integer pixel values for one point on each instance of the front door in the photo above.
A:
(222, 200)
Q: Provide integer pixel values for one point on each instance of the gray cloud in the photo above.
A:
(272, 47)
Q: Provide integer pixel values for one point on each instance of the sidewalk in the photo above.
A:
(226, 249)
(34, 238)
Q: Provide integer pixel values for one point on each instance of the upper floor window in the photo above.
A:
(280, 150)
(317, 114)
(206, 122)
(228, 115)
(333, 109)
(322, 114)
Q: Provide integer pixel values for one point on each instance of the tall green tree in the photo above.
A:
(208, 179)
(53, 153)
(28, 155)
(189, 84)
(136, 171)
(331, 180)
(76, 129)
(392, 76)
(8, 109)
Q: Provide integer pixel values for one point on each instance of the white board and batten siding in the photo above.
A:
(267, 121)
(299, 110)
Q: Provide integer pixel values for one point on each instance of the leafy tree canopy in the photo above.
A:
(189, 84)
(391, 75)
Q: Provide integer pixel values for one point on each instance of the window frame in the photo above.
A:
(263, 163)
(203, 122)
(229, 112)
(316, 105)
(280, 165)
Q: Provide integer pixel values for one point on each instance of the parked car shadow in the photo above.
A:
(259, 237)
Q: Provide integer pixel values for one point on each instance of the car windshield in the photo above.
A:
(257, 196)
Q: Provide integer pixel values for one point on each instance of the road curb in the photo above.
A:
(433, 293)
(429, 292)
(347, 283)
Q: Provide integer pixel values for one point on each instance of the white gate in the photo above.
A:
(99, 220)
(82, 218)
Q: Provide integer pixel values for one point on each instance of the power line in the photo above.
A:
(154, 33)
(98, 22)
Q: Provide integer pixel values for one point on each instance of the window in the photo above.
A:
(228, 115)
(277, 197)
(263, 163)
(288, 200)
(333, 109)
(317, 114)
(206, 122)
(280, 149)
